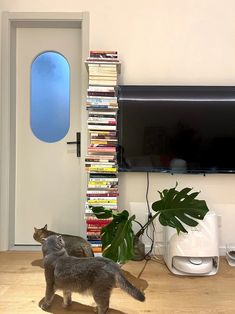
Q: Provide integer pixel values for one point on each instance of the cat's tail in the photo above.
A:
(125, 285)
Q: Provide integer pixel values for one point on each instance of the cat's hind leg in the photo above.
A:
(102, 300)
(67, 300)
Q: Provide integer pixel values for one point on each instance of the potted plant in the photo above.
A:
(175, 209)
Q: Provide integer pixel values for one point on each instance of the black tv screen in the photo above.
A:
(178, 129)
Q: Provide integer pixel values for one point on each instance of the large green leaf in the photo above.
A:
(101, 212)
(179, 208)
(117, 237)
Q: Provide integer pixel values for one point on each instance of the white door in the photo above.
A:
(47, 173)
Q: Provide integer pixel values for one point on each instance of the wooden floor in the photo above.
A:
(22, 288)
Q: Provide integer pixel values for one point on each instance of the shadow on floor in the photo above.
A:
(56, 307)
(38, 263)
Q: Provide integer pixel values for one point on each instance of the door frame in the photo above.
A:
(10, 22)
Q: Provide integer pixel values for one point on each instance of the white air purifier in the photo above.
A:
(195, 253)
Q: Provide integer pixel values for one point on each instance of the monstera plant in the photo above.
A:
(175, 209)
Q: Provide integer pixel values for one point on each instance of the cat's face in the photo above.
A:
(39, 234)
(52, 244)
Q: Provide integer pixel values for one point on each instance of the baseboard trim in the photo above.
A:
(33, 248)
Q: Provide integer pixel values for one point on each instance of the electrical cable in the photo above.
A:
(142, 270)
(152, 239)
(146, 197)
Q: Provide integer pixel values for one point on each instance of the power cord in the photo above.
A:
(152, 238)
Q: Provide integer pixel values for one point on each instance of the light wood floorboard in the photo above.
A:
(22, 288)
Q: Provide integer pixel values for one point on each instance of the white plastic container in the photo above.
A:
(195, 253)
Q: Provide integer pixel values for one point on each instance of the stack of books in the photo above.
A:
(101, 159)
(94, 227)
(102, 120)
(102, 66)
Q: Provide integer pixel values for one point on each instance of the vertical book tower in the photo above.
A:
(101, 160)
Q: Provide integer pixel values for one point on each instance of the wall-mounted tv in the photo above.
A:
(185, 129)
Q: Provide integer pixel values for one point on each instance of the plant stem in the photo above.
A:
(142, 229)
(138, 223)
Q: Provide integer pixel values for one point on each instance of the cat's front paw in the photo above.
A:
(44, 306)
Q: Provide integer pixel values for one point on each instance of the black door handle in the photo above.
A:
(78, 143)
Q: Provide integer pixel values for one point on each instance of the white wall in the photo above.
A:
(163, 42)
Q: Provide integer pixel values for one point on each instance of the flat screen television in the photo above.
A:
(176, 129)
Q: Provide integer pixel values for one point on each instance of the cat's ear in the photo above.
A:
(45, 227)
(59, 237)
(35, 229)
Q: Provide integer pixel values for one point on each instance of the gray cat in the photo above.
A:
(98, 275)
(75, 245)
